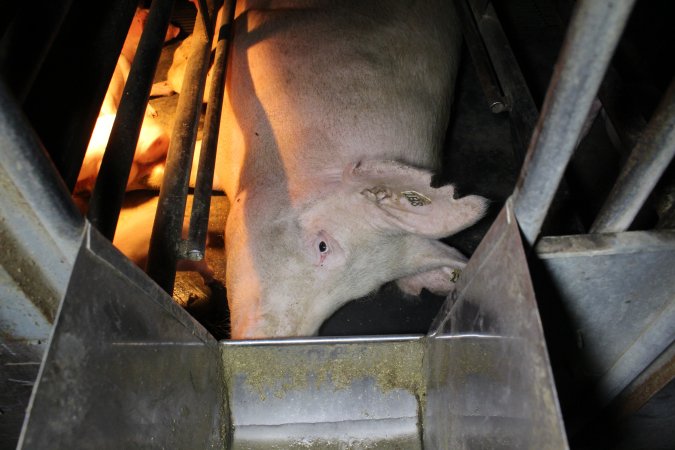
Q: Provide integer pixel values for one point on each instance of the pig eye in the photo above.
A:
(323, 248)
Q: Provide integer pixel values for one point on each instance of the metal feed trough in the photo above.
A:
(96, 355)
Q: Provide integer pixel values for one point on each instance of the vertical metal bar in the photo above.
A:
(201, 203)
(645, 165)
(166, 231)
(523, 112)
(203, 13)
(27, 41)
(481, 60)
(592, 36)
(108, 194)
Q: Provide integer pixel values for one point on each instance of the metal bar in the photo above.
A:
(108, 194)
(201, 202)
(27, 41)
(166, 231)
(592, 36)
(40, 234)
(203, 13)
(653, 379)
(645, 165)
(523, 112)
(91, 44)
(481, 60)
(38, 196)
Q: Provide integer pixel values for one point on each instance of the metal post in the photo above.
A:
(517, 98)
(645, 165)
(481, 60)
(108, 194)
(166, 231)
(201, 203)
(593, 34)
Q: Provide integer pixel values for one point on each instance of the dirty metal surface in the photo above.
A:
(489, 380)
(326, 393)
(618, 290)
(126, 367)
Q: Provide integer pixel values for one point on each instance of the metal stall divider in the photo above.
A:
(166, 246)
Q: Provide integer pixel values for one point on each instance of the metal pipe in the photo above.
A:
(201, 202)
(203, 13)
(108, 194)
(168, 225)
(517, 98)
(481, 61)
(645, 165)
(593, 34)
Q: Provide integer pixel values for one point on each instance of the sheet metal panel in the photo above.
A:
(619, 292)
(489, 378)
(126, 367)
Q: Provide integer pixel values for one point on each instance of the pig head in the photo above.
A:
(334, 116)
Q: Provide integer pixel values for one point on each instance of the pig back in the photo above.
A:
(316, 85)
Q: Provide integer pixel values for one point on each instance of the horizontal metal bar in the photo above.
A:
(645, 165)
(111, 183)
(591, 38)
(166, 232)
(322, 340)
(201, 202)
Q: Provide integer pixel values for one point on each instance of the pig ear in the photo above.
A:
(429, 264)
(404, 199)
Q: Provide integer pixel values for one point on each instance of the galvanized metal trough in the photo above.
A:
(127, 368)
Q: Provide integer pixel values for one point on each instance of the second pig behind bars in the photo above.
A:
(334, 117)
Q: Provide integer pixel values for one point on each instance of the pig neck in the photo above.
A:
(292, 179)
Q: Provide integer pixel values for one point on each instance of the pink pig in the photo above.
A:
(334, 117)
